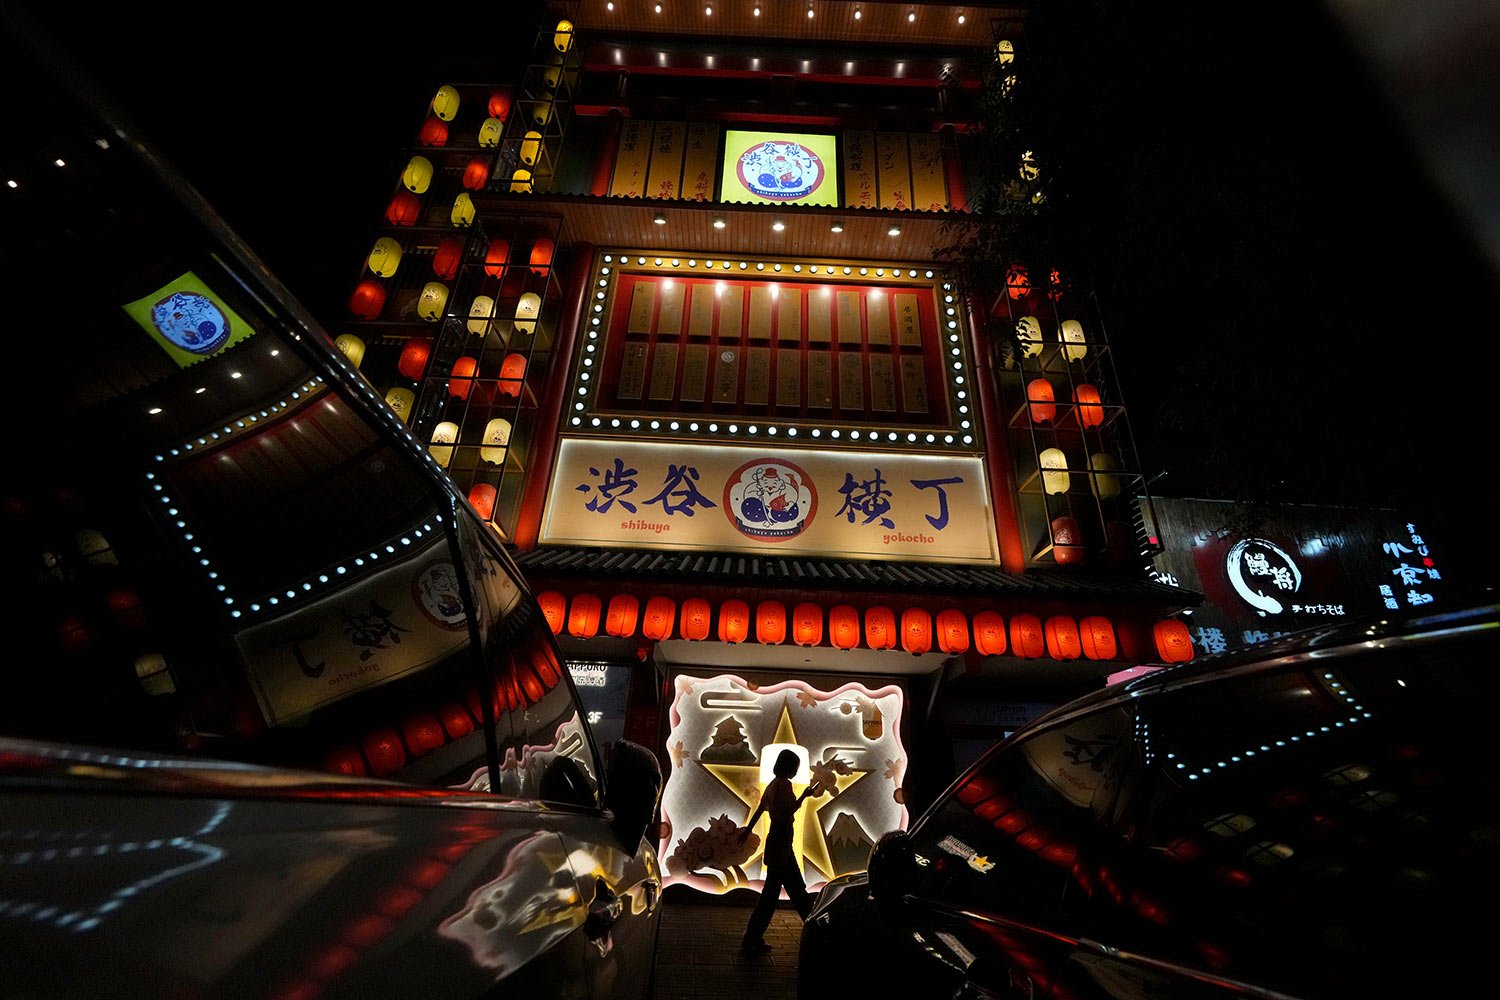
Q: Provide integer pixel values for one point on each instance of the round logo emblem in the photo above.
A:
(784, 171)
(191, 322)
(435, 588)
(770, 501)
(1262, 573)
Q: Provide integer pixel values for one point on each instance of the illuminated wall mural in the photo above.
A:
(725, 732)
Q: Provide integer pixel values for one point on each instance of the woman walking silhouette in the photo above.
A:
(780, 802)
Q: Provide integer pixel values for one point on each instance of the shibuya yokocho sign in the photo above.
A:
(869, 505)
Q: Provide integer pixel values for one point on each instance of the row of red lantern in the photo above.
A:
(1018, 283)
(385, 749)
(1042, 405)
(916, 631)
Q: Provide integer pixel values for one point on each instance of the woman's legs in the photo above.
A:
(765, 906)
(791, 878)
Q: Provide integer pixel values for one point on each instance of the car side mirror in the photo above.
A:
(633, 789)
(892, 868)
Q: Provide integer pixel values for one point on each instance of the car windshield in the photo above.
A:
(216, 538)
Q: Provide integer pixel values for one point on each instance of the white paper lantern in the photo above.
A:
(1071, 334)
(496, 441)
(444, 435)
(1056, 481)
(481, 311)
(1029, 333)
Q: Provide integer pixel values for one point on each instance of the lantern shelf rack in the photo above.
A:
(1067, 418)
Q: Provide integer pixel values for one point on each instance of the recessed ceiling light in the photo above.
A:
(837, 227)
(660, 218)
(911, 15)
(658, 8)
(60, 163)
(200, 389)
(234, 374)
(11, 184)
(809, 10)
(960, 19)
(708, 12)
(718, 222)
(858, 14)
(756, 12)
(154, 410)
(778, 225)
(894, 231)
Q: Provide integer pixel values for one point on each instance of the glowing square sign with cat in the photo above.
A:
(723, 730)
(779, 168)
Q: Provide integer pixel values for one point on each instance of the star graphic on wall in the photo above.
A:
(808, 841)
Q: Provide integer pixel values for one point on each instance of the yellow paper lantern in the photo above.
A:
(1029, 333)
(490, 132)
(434, 297)
(1029, 170)
(385, 256)
(1005, 51)
(528, 308)
(1072, 337)
(531, 148)
(443, 437)
(445, 104)
(95, 548)
(520, 181)
(151, 670)
(401, 400)
(541, 112)
(1104, 483)
(1054, 481)
(496, 441)
(481, 311)
(552, 72)
(463, 210)
(562, 36)
(417, 177)
(351, 347)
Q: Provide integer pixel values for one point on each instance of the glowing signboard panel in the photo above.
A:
(773, 501)
(779, 168)
(188, 320)
(723, 729)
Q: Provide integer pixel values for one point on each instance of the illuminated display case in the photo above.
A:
(726, 731)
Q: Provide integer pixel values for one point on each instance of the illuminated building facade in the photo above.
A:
(667, 303)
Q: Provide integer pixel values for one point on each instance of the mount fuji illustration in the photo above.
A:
(848, 844)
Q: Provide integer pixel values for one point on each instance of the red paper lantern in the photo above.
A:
(770, 623)
(697, 615)
(1040, 399)
(1174, 644)
(1017, 281)
(414, 355)
(125, 605)
(477, 173)
(541, 256)
(1067, 541)
(1026, 637)
(461, 379)
(456, 721)
(989, 633)
(368, 299)
(1090, 412)
(496, 257)
(384, 751)
(1062, 638)
(499, 104)
(404, 209)
(1097, 637)
(880, 628)
(660, 613)
(450, 253)
(624, 611)
(734, 621)
(952, 631)
(423, 732)
(434, 132)
(1056, 283)
(512, 374)
(916, 631)
(843, 626)
(807, 624)
(583, 619)
(554, 607)
(344, 760)
(482, 499)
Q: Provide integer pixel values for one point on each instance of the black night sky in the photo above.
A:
(1299, 313)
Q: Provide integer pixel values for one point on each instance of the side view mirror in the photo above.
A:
(633, 788)
(893, 865)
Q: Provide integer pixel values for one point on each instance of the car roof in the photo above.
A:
(1320, 641)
